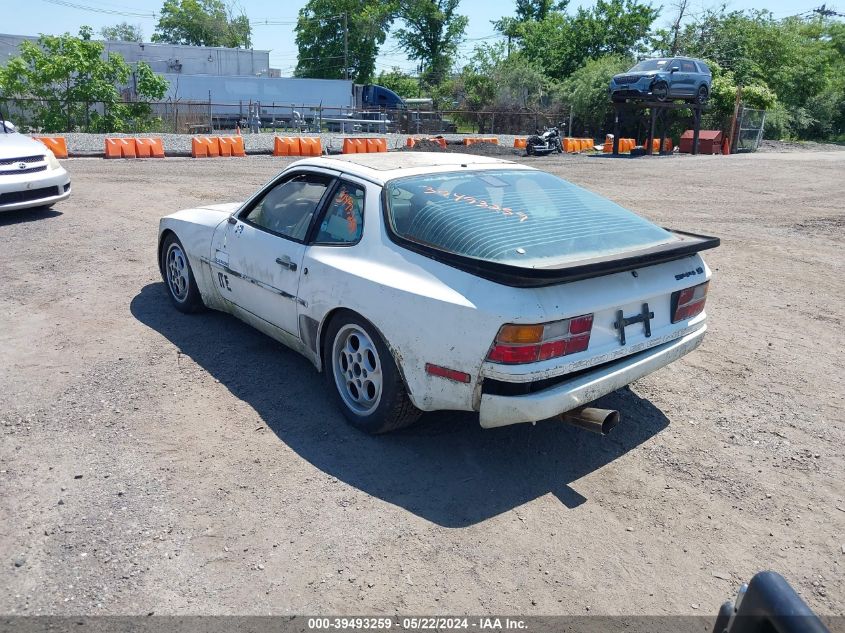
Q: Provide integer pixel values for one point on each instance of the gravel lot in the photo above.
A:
(156, 462)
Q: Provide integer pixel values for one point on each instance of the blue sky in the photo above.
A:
(58, 16)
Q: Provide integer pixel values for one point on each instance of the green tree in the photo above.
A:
(793, 64)
(202, 23)
(561, 43)
(401, 83)
(536, 9)
(431, 34)
(320, 37)
(493, 85)
(586, 92)
(123, 32)
(527, 11)
(68, 84)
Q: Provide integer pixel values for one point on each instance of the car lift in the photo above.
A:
(659, 110)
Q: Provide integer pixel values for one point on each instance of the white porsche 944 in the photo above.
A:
(420, 282)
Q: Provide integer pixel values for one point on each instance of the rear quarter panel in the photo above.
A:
(428, 312)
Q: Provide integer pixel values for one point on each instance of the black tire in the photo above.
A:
(660, 91)
(180, 283)
(393, 409)
(529, 149)
(702, 95)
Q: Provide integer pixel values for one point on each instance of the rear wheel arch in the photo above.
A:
(339, 312)
(402, 409)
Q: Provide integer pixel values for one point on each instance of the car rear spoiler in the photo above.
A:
(522, 277)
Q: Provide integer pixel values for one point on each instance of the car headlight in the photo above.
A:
(52, 161)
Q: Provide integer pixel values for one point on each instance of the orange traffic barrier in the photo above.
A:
(575, 145)
(297, 146)
(412, 141)
(472, 140)
(205, 147)
(354, 146)
(120, 147)
(149, 148)
(375, 145)
(231, 145)
(312, 146)
(55, 144)
(364, 145)
(625, 145)
(286, 146)
(726, 146)
(655, 145)
(520, 143)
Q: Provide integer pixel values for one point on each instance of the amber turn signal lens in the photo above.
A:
(520, 334)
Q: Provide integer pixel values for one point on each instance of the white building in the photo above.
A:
(172, 58)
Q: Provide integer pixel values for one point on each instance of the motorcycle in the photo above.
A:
(545, 142)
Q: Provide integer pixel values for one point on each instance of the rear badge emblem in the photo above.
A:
(643, 317)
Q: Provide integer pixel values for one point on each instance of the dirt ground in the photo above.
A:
(157, 462)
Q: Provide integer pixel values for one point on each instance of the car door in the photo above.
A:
(689, 75)
(676, 78)
(258, 258)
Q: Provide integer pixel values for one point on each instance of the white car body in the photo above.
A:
(429, 312)
(30, 175)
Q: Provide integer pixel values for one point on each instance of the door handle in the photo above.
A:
(286, 263)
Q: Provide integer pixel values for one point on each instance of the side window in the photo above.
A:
(288, 207)
(343, 222)
(703, 68)
(688, 67)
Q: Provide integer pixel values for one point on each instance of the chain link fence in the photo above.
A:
(751, 123)
(187, 117)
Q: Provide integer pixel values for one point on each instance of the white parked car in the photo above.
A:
(30, 175)
(419, 282)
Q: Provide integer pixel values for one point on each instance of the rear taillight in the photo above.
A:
(688, 302)
(517, 344)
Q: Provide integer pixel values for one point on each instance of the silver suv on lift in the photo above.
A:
(664, 79)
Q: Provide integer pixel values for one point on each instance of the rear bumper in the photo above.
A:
(496, 410)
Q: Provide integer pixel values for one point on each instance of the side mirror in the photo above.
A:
(674, 69)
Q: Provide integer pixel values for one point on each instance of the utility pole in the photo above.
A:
(346, 46)
(737, 101)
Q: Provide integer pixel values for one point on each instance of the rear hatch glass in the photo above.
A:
(521, 218)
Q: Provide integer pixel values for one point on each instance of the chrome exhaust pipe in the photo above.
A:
(600, 421)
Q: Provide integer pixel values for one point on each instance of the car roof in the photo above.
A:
(382, 166)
